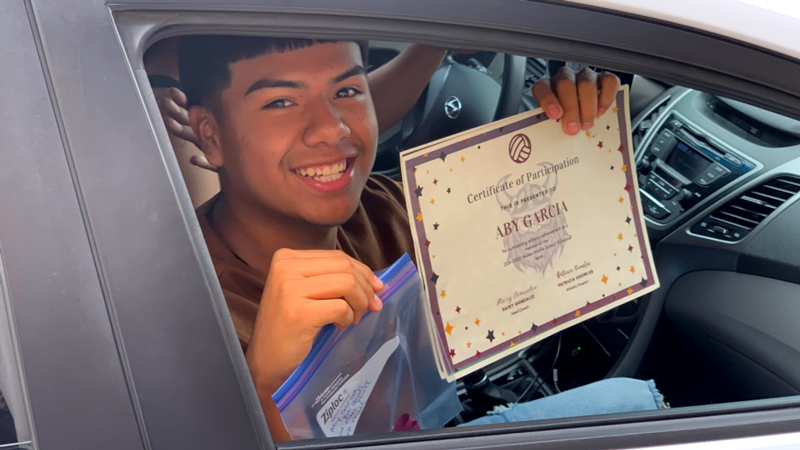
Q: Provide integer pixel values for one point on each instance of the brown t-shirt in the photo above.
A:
(377, 235)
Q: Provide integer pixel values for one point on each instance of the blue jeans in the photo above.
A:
(613, 395)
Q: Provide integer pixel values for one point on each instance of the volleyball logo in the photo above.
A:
(519, 149)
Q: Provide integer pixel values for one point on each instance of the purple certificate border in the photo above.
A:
(558, 321)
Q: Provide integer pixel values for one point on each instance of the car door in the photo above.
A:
(179, 379)
(62, 376)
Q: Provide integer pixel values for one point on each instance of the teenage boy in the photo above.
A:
(394, 87)
(300, 224)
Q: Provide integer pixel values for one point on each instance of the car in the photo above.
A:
(114, 331)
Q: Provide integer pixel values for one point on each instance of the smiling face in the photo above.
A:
(296, 133)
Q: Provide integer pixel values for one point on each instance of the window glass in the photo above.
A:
(278, 105)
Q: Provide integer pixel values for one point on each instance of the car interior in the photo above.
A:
(701, 161)
(719, 182)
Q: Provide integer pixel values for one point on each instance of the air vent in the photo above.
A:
(738, 217)
(535, 70)
(641, 127)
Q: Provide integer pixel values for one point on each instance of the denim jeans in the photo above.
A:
(613, 395)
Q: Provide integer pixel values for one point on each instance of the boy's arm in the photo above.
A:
(276, 427)
(396, 86)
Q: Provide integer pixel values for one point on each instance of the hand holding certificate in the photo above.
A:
(522, 231)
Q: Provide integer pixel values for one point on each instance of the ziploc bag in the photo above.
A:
(374, 377)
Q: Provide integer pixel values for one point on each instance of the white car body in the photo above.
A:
(771, 24)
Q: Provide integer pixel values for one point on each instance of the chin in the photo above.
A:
(331, 217)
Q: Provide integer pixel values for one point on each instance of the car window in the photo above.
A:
(13, 406)
(711, 168)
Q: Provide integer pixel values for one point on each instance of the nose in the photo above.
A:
(325, 125)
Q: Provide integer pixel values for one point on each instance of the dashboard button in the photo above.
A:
(653, 209)
(733, 159)
(659, 188)
(659, 182)
(665, 142)
(702, 181)
(656, 149)
(719, 170)
(656, 211)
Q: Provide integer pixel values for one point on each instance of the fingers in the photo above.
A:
(352, 288)
(340, 263)
(335, 311)
(545, 97)
(178, 97)
(175, 111)
(575, 98)
(567, 93)
(201, 162)
(176, 129)
(587, 97)
(609, 85)
(304, 264)
(173, 105)
(176, 117)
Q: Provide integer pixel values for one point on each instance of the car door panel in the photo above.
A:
(72, 369)
(182, 371)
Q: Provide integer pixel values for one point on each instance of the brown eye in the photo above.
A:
(348, 92)
(279, 104)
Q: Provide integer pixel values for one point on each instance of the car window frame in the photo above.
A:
(133, 26)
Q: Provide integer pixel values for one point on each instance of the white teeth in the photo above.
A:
(328, 178)
(324, 174)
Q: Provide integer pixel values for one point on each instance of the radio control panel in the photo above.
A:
(681, 167)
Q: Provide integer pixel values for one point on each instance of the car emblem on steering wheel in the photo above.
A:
(452, 107)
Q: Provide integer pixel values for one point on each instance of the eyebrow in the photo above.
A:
(355, 70)
(267, 83)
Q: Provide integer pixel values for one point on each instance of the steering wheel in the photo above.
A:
(458, 98)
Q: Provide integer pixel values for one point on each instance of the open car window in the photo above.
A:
(712, 174)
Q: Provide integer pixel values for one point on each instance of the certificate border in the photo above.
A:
(424, 255)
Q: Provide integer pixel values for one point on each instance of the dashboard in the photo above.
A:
(697, 157)
(719, 183)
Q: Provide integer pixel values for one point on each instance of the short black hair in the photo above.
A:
(204, 61)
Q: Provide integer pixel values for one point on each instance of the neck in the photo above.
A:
(255, 238)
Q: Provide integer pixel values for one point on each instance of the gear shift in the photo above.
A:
(484, 393)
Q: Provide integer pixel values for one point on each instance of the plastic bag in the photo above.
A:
(375, 377)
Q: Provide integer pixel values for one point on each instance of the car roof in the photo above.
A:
(771, 24)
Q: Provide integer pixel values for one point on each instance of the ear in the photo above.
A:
(205, 126)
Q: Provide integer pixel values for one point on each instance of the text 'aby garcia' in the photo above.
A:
(529, 220)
